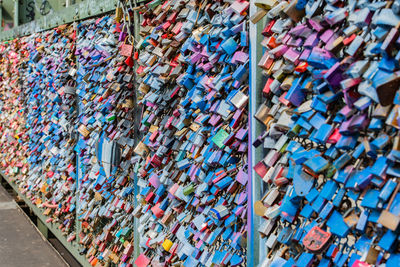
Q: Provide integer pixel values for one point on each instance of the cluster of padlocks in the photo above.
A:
(50, 181)
(330, 111)
(193, 172)
(138, 138)
(67, 126)
(12, 106)
(105, 144)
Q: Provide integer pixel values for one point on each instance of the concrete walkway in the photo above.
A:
(21, 244)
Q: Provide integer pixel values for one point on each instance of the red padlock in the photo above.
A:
(129, 61)
(317, 240)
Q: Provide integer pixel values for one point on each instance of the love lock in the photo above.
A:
(317, 240)
(388, 219)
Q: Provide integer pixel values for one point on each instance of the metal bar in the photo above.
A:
(16, 13)
(1, 16)
(42, 228)
(78, 224)
(255, 183)
(252, 245)
(136, 237)
(77, 202)
(72, 247)
(250, 210)
(69, 3)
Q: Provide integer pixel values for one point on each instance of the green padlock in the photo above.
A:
(188, 189)
(220, 137)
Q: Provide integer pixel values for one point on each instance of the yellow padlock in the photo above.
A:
(118, 14)
(167, 244)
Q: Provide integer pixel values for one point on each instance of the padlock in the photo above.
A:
(388, 219)
(317, 240)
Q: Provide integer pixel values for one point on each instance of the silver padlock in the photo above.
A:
(396, 7)
(219, 212)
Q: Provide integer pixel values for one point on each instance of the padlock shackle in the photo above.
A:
(396, 190)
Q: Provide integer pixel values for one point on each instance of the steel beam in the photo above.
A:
(256, 246)
(16, 13)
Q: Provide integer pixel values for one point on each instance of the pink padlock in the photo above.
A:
(359, 263)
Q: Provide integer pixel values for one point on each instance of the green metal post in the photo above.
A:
(69, 3)
(256, 246)
(16, 13)
(78, 227)
(42, 228)
(1, 16)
